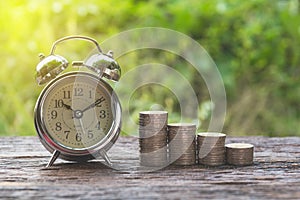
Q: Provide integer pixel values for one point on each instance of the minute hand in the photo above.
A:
(97, 102)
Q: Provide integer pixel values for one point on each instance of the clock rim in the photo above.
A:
(71, 153)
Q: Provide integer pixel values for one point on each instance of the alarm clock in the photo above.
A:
(77, 115)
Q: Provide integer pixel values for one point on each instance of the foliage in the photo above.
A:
(255, 45)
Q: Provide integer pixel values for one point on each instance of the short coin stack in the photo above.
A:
(182, 144)
(239, 154)
(211, 148)
(153, 138)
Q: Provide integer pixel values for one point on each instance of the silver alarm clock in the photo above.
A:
(78, 115)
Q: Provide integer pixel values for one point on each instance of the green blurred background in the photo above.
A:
(255, 44)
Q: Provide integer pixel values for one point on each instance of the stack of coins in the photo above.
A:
(153, 138)
(239, 154)
(211, 148)
(182, 143)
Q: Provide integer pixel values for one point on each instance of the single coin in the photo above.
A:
(239, 145)
(153, 112)
(211, 134)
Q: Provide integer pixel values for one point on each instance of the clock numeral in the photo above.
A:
(98, 125)
(99, 101)
(53, 114)
(78, 92)
(102, 114)
(78, 137)
(58, 103)
(90, 134)
(67, 94)
(58, 126)
(67, 134)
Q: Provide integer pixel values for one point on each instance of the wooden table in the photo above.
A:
(274, 175)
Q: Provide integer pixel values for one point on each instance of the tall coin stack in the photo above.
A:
(239, 154)
(182, 143)
(211, 148)
(153, 138)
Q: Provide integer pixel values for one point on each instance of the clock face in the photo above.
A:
(77, 111)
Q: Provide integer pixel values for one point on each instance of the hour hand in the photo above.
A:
(67, 106)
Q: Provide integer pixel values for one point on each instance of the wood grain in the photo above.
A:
(274, 175)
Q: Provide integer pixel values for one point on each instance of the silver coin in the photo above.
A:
(153, 112)
(211, 134)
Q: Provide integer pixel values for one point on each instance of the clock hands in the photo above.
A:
(96, 103)
(81, 126)
(68, 107)
(76, 113)
(79, 113)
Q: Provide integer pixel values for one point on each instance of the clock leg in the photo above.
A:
(104, 155)
(54, 156)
